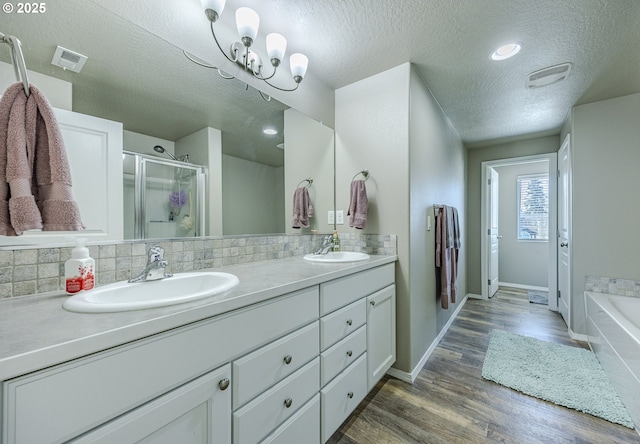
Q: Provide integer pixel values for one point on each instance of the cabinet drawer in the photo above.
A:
(343, 291)
(342, 323)
(262, 415)
(342, 395)
(59, 403)
(261, 369)
(342, 354)
(303, 427)
(196, 412)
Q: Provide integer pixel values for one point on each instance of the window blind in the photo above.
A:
(533, 207)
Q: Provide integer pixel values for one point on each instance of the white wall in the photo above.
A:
(606, 208)
(143, 144)
(475, 157)
(308, 152)
(521, 262)
(391, 125)
(249, 192)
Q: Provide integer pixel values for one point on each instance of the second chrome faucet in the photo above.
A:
(156, 266)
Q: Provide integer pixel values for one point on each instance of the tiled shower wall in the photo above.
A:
(620, 287)
(27, 271)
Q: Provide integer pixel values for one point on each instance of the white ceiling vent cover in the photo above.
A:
(548, 76)
(67, 59)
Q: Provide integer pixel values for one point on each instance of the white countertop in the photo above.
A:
(36, 332)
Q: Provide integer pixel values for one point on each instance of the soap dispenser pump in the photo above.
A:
(79, 270)
(336, 241)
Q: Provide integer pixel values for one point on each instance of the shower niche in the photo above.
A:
(162, 198)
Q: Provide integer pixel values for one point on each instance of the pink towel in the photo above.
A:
(35, 181)
(302, 208)
(359, 205)
(447, 245)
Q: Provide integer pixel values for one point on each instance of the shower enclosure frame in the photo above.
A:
(139, 198)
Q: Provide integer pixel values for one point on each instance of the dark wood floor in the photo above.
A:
(450, 402)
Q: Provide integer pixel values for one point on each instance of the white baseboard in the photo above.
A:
(410, 377)
(523, 287)
(474, 296)
(577, 336)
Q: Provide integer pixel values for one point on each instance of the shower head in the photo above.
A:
(159, 149)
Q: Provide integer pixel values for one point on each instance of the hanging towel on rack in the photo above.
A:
(302, 208)
(358, 205)
(35, 181)
(447, 246)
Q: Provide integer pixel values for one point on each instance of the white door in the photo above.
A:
(493, 233)
(564, 230)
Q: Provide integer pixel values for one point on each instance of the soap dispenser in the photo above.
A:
(336, 241)
(79, 270)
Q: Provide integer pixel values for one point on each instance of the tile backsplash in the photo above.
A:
(620, 287)
(26, 271)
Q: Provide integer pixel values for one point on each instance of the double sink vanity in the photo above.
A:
(281, 354)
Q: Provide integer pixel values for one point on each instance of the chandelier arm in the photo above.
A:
(281, 89)
(265, 97)
(223, 76)
(275, 68)
(213, 33)
(197, 62)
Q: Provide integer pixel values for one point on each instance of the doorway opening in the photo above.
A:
(528, 233)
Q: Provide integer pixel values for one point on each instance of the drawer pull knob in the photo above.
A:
(350, 395)
(349, 353)
(373, 302)
(287, 359)
(288, 402)
(224, 384)
(349, 322)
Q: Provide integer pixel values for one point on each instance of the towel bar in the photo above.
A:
(17, 58)
(365, 173)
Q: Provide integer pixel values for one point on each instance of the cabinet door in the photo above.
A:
(381, 333)
(196, 413)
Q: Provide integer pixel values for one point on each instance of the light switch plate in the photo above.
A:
(330, 217)
(340, 217)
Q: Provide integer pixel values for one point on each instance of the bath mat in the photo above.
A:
(568, 376)
(538, 297)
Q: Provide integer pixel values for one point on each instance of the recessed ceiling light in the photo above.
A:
(505, 51)
(270, 131)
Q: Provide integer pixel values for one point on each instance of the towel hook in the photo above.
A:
(308, 179)
(365, 174)
(19, 67)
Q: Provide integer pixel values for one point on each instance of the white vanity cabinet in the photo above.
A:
(356, 312)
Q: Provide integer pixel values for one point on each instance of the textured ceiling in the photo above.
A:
(449, 42)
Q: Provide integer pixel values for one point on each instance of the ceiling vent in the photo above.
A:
(67, 59)
(548, 76)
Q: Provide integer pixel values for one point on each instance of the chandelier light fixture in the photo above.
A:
(247, 23)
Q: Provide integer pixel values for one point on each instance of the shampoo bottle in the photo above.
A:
(79, 270)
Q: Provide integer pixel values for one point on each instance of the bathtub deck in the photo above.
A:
(450, 402)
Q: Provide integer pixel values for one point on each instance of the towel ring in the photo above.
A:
(308, 179)
(364, 173)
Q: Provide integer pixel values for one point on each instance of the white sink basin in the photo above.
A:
(123, 296)
(337, 256)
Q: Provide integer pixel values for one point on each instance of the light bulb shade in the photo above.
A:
(216, 5)
(299, 63)
(276, 46)
(247, 21)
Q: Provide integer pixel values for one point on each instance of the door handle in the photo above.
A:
(499, 237)
(564, 244)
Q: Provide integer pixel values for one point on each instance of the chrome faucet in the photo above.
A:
(327, 245)
(156, 266)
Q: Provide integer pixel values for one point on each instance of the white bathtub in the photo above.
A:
(613, 328)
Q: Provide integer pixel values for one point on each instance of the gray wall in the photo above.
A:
(252, 197)
(475, 157)
(391, 124)
(521, 262)
(606, 207)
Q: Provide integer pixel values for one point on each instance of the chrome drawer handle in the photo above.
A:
(350, 395)
(349, 353)
(223, 384)
(287, 359)
(288, 402)
(349, 322)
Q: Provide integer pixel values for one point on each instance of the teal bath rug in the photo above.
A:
(568, 376)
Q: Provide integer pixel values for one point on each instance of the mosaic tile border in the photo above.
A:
(27, 271)
(616, 286)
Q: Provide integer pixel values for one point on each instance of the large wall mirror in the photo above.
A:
(162, 99)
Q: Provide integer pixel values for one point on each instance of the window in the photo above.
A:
(533, 207)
